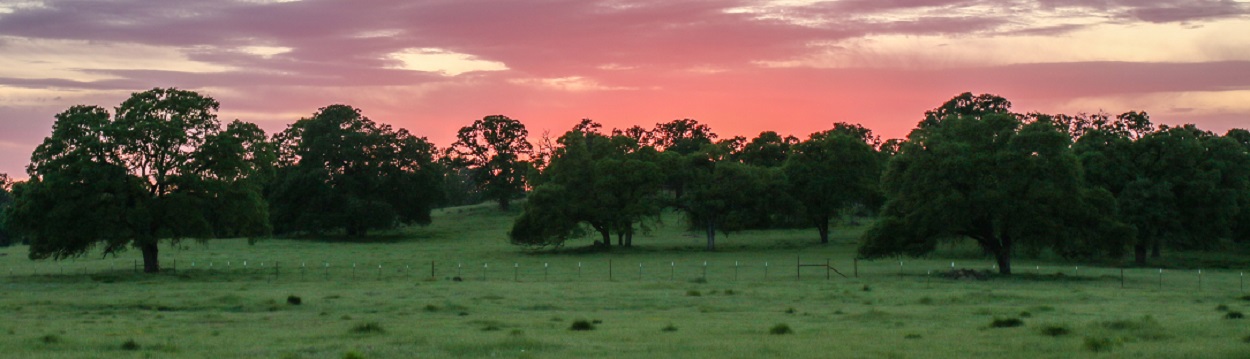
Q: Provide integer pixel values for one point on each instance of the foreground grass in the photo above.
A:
(515, 307)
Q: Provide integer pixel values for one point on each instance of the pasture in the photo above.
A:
(657, 300)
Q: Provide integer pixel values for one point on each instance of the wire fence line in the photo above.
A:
(618, 270)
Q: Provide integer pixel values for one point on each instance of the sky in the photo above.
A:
(740, 66)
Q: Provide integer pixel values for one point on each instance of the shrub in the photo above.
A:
(780, 329)
(353, 355)
(130, 344)
(1100, 344)
(729, 292)
(1055, 330)
(368, 328)
(693, 293)
(1006, 323)
(581, 325)
(1221, 308)
(1026, 314)
(790, 310)
(867, 288)
(294, 300)
(50, 339)
(926, 300)
(1234, 315)
(669, 328)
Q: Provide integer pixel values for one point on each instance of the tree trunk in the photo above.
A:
(620, 239)
(504, 203)
(607, 238)
(711, 236)
(629, 237)
(150, 262)
(1154, 249)
(1139, 254)
(823, 226)
(1003, 255)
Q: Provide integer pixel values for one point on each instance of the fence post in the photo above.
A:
(765, 270)
(1121, 277)
(1160, 278)
(545, 265)
(432, 276)
(458, 270)
(640, 271)
(672, 269)
(798, 268)
(579, 270)
(379, 271)
(484, 267)
(827, 269)
(516, 271)
(609, 270)
(136, 269)
(705, 271)
(856, 260)
(735, 271)
(1199, 280)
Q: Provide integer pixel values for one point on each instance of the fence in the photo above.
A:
(618, 270)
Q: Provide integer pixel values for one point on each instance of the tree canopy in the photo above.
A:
(831, 172)
(340, 170)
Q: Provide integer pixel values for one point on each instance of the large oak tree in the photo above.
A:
(161, 169)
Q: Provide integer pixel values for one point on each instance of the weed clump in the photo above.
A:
(50, 339)
(780, 329)
(926, 300)
(912, 336)
(353, 355)
(368, 328)
(1100, 344)
(669, 328)
(866, 288)
(1006, 323)
(693, 293)
(130, 344)
(790, 310)
(1055, 330)
(1221, 308)
(581, 325)
(1234, 315)
(294, 300)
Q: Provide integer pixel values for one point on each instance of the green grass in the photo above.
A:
(99, 308)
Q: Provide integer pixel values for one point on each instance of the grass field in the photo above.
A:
(510, 305)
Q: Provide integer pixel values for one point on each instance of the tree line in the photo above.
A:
(163, 167)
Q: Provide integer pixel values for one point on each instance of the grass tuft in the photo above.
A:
(1100, 344)
(780, 329)
(368, 328)
(581, 325)
(130, 344)
(50, 339)
(1006, 323)
(1055, 330)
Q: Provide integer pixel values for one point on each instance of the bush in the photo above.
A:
(1055, 330)
(693, 293)
(581, 325)
(50, 339)
(130, 344)
(294, 300)
(1006, 323)
(368, 328)
(912, 336)
(1221, 308)
(1234, 315)
(353, 355)
(780, 329)
(669, 328)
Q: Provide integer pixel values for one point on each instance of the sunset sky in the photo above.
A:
(793, 66)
